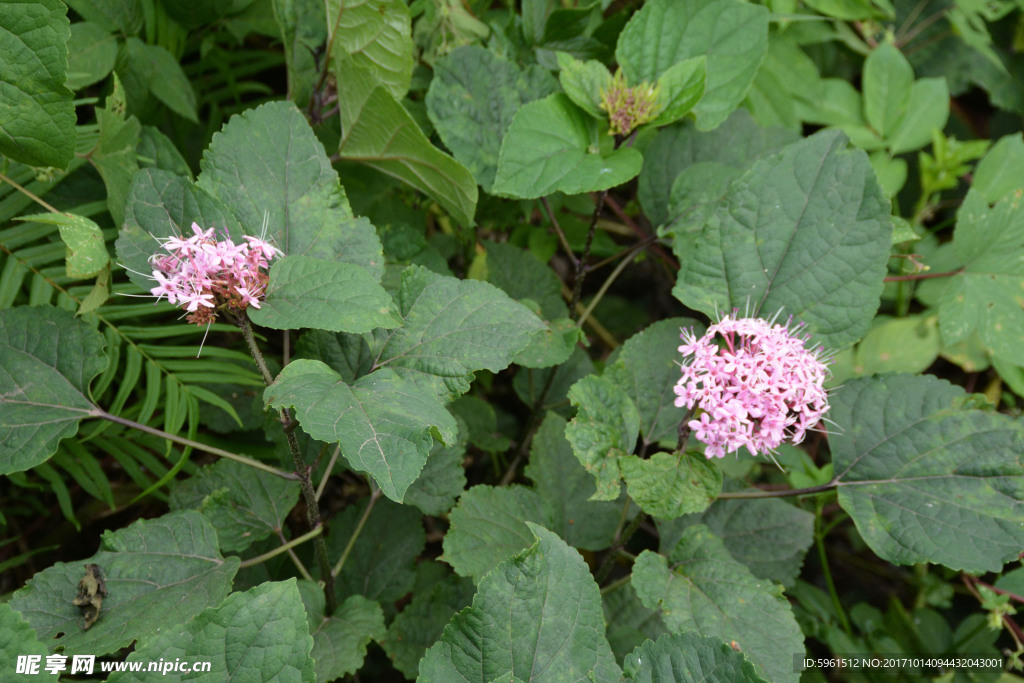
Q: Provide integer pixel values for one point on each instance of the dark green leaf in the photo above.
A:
(377, 36)
(443, 477)
(472, 98)
(1001, 170)
(37, 117)
(552, 145)
(325, 295)
(688, 658)
(668, 485)
(340, 640)
(629, 622)
(160, 573)
(47, 359)
(258, 635)
(155, 150)
(536, 616)
(807, 232)
(17, 637)
(707, 591)
(604, 429)
(887, 80)
(926, 477)
(95, 51)
(303, 25)
(244, 504)
(385, 425)
(113, 15)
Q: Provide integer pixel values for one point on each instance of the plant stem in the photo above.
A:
(616, 584)
(581, 264)
(374, 495)
(29, 194)
(819, 541)
(213, 450)
(301, 469)
(777, 494)
(327, 472)
(921, 276)
(558, 231)
(253, 561)
(608, 283)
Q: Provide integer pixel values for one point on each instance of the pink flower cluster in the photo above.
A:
(755, 383)
(202, 274)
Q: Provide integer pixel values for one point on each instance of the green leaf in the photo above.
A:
(37, 117)
(17, 637)
(162, 204)
(735, 144)
(379, 132)
(160, 68)
(668, 485)
(707, 591)
(583, 82)
(887, 79)
(47, 359)
(566, 489)
(647, 368)
(95, 51)
(381, 564)
(452, 328)
(113, 15)
(303, 26)
(537, 616)
(114, 154)
(908, 344)
(629, 622)
(243, 504)
(521, 275)
(325, 295)
(604, 429)
(268, 161)
(87, 252)
(385, 425)
(155, 150)
(443, 477)
(552, 145)
(732, 34)
(682, 85)
(927, 111)
(1001, 170)
(472, 98)
(767, 535)
(987, 296)
(925, 476)
(258, 635)
(807, 232)
(160, 573)
(688, 658)
(340, 640)
(377, 36)
(421, 623)
(488, 525)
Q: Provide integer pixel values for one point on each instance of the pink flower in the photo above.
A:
(755, 384)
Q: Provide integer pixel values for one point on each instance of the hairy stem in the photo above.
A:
(252, 561)
(301, 469)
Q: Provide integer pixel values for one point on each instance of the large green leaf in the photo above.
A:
(423, 620)
(47, 359)
(114, 154)
(472, 99)
(566, 488)
(161, 204)
(987, 296)
(379, 132)
(324, 295)
(340, 640)
(452, 328)
(488, 525)
(688, 658)
(629, 622)
(887, 80)
(381, 564)
(604, 430)
(87, 252)
(707, 591)
(268, 161)
(667, 485)
(647, 369)
(925, 476)
(731, 33)
(37, 117)
(258, 635)
(768, 535)
(735, 145)
(95, 50)
(168, 83)
(521, 275)
(125, 16)
(385, 425)
(443, 477)
(377, 36)
(244, 504)
(537, 617)
(1001, 170)
(303, 25)
(17, 637)
(160, 573)
(553, 145)
(806, 231)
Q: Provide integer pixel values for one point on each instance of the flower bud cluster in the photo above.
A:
(203, 275)
(755, 383)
